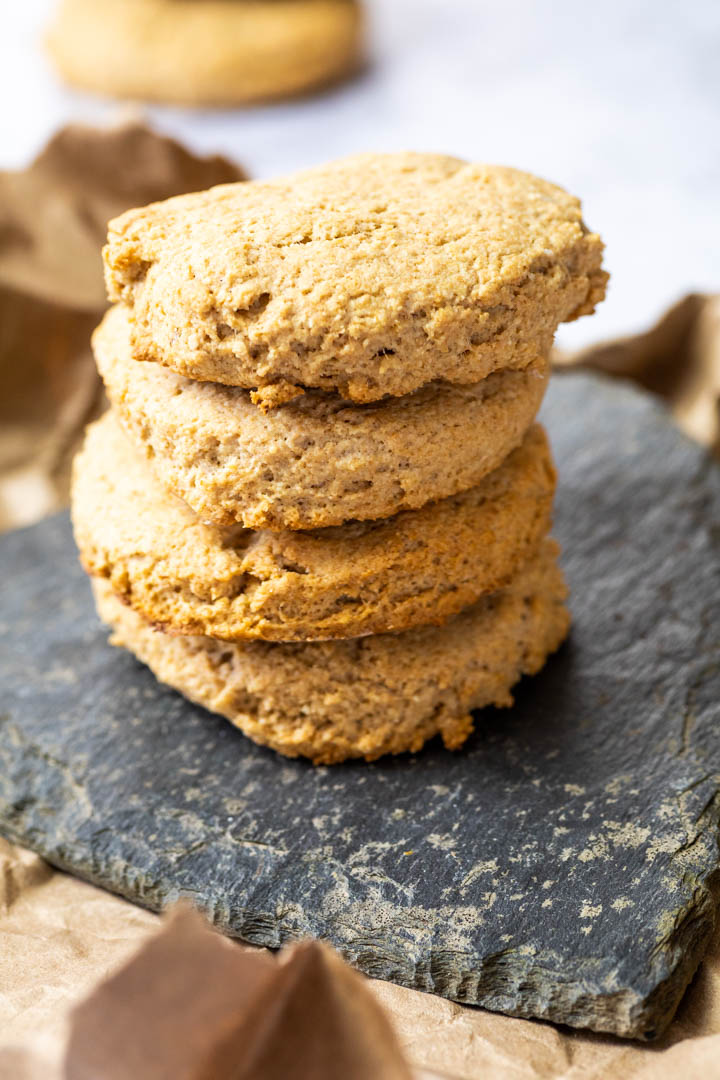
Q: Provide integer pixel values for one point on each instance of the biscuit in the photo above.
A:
(417, 568)
(315, 461)
(371, 276)
(364, 697)
(205, 52)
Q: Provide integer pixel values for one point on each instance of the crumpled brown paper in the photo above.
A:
(189, 1005)
(678, 359)
(60, 937)
(54, 214)
(193, 1006)
(53, 222)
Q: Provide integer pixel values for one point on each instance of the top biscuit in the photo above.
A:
(370, 276)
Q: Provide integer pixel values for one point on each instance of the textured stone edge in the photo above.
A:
(446, 972)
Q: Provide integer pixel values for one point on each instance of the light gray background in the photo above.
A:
(619, 102)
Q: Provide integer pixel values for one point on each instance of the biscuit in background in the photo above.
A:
(206, 52)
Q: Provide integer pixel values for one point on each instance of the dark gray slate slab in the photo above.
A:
(560, 867)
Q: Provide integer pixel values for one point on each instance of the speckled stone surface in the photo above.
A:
(560, 867)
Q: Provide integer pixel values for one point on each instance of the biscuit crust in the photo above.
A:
(317, 460)
(418, 568)
(371, 276)
(365, 697)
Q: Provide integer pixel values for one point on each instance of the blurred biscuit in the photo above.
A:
(205, 52)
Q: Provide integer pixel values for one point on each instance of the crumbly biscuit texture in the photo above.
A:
(418, 568)
(365, 697)
(205, 52)
(374, 275)
(315, 461)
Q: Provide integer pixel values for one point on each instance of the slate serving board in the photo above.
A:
(559, 867)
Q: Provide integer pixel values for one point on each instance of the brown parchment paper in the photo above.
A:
(678, 359)
(191, 1005)
(53, 222)
(60, 939)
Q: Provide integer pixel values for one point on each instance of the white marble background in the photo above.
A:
(618, 101)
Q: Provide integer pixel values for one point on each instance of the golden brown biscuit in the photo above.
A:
(417, 568)
(374, 275)
(206, 52)
(368, 696)
(315, 461)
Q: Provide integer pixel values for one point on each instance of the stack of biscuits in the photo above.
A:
(320, 503)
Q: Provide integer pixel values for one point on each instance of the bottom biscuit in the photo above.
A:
(363, 697)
